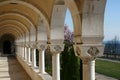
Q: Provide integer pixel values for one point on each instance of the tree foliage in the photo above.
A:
(112, 47)
(69, 62)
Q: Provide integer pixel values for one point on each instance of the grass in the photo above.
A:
(111, 69)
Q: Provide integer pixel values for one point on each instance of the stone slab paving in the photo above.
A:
(103, 77)
(111, 60)
(10, 69)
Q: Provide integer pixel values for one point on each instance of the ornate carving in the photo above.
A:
(85, 53)
(27, 45)
(42, 47)
(32, 45)
(56, 48)
(85, 58)
(93, 51)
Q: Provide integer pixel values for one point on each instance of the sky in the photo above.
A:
(111, 20)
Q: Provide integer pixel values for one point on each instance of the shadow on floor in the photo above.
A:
(16, 71)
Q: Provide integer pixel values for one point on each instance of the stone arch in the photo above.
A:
(30, 6)
(22, 19)
(13, 26)
(77, 18)
(14, 22)
(10, 30)
(15, 16)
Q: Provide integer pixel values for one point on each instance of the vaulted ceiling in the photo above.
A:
(18, 16)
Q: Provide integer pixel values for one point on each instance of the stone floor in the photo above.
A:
(103, 77)
(10, 69)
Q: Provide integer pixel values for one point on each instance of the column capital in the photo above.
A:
(32, 45)
(42, 46)
(88, 52)
(56, 48)
(27, 45)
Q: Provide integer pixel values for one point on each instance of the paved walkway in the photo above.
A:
(103, 77)
(105, 59)
(10, 69)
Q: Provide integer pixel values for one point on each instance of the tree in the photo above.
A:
(112, 47)
(68, 35)
(69, 62)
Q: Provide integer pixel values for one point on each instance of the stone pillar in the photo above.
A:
(56, 50)
(34, 58)
(29, 52)
(92, 70)
(88, 55)
(89, 70)
(42, 61)
(56, 66)
(23, 52)
(42, 58)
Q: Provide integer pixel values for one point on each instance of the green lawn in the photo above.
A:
(108, 68)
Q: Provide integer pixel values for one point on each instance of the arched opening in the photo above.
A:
(48, 61)
(37, 57)
(69, 62)
(7, 47)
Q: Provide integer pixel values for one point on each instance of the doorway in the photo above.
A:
(7, 47)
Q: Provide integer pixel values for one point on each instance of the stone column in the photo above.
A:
(34, 58)
(89, 70)
(29, 52)
(23, 51)
(88, 55)
(92, 70)
(56, 66)
(56, 50)
(42, 58)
